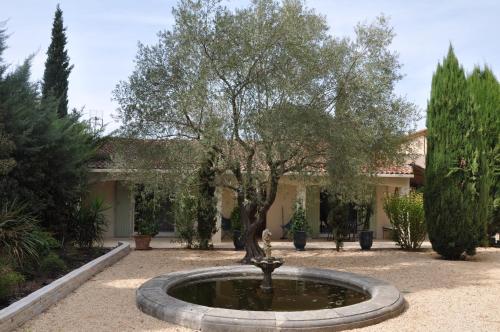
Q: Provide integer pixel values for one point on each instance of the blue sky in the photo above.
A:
(103, 36)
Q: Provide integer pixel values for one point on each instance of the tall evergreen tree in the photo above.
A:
(484, 91)
(46, 155)
(207, 211)
(448, 199)
(57, 67)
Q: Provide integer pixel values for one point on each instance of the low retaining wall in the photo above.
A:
(32, 305)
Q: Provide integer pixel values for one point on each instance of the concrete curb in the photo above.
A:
(386, 302)
(35, 303)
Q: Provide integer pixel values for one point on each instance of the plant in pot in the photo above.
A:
(299, 227)
(145, 231)
(146, 225)
(366, 235)
(237, 230)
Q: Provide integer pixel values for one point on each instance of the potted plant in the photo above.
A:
(366, 235)
(145, 231)
(146, 225)
(299, 227)
(237, 229)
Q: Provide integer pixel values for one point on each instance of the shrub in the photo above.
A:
(406, 214)
(185, 211)
(52, 265)
(146, 211)
(9, 281)
(19, 239)
(235, 219)
(207, 211)
(90, 223)
(299, 222)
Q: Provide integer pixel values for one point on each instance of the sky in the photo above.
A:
(103, 36)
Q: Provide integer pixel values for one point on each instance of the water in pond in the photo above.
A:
(287, 295)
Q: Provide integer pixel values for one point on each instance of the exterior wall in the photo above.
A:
(124, 211)
(105, 191)
(312, 209)
(419, 150)
(120, 212)
(228, 202)
(386, 186)
(281, 211)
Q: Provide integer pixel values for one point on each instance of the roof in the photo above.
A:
(108, 155)
(401, 170)
(418, 133)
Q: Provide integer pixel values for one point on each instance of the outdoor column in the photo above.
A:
(217, 237)
(302, 194)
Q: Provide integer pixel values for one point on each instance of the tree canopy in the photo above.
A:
(270, 92)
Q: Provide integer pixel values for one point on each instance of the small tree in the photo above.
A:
(57, 67)
(406, 214)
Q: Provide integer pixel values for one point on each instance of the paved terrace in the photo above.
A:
(172, 243)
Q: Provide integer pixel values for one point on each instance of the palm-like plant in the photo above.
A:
(18, 237)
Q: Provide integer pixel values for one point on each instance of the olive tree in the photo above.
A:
(268, 90)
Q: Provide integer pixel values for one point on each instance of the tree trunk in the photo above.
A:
(252, 236)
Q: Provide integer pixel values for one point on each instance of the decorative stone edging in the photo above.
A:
(40, 300)
(386, 301)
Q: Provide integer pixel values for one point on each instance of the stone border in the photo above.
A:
(40, 300)
(386, 301)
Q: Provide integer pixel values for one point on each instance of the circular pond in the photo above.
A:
(287, 295)
(229, 298)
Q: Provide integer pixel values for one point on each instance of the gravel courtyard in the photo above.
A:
(441, 295)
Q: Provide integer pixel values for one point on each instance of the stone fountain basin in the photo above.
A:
(385, 302)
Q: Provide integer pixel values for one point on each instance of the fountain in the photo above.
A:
(237, 298)
(268, 263)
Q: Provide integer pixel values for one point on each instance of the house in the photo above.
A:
(109, 181)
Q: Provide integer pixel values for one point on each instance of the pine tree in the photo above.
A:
(57, 67)
(46, 156)
(447, 200)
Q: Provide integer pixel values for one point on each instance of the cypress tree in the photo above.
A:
(206, 201)
(57, 67)
(484, 91)
(447, 200)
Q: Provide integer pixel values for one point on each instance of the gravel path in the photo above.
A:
(442, 295)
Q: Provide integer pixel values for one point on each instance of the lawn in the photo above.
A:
(441, 295)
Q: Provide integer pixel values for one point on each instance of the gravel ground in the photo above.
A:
(441, 295)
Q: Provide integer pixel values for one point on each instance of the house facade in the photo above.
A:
(110, 184)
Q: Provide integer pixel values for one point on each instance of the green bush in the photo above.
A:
(186, 213)
(299, 222)
(147, 208)
(19, 236)
(406, 214)
(235, 219)
(52, 265)
(9, 281)
(90, 223)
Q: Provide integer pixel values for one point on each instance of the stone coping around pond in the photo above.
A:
(386, 302)
(40, 300)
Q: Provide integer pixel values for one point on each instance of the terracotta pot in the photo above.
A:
(142, 242)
